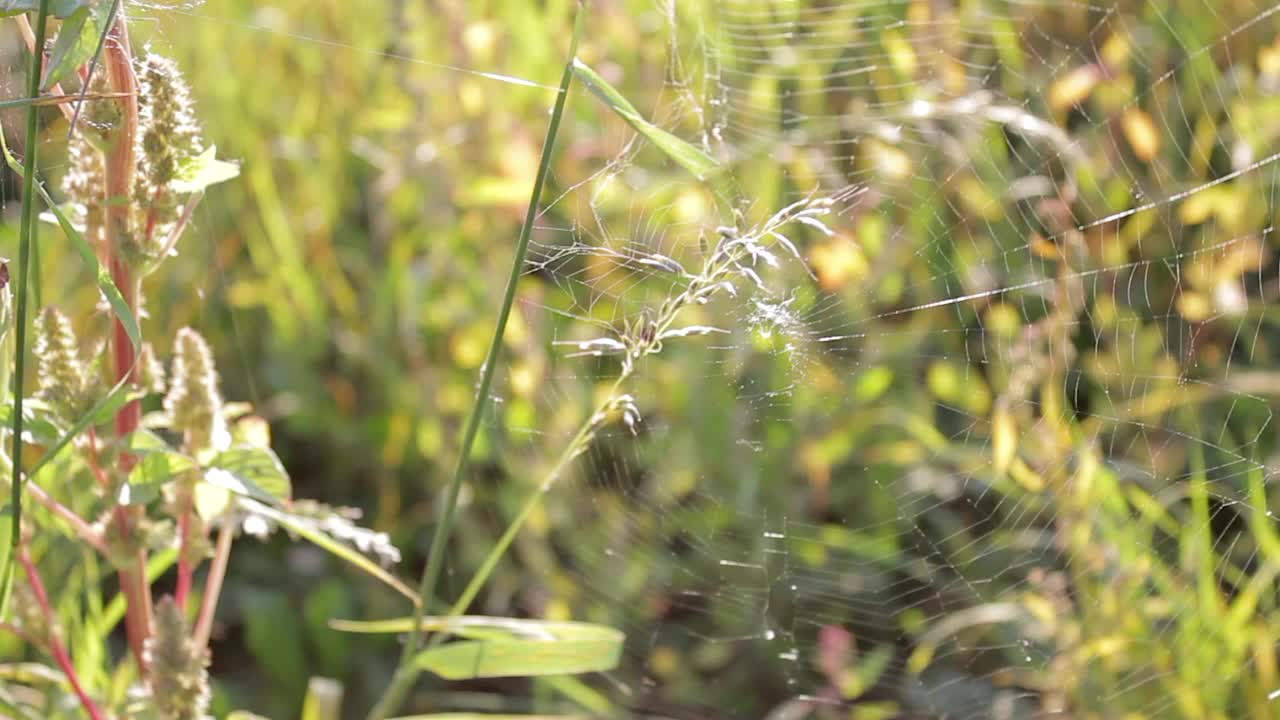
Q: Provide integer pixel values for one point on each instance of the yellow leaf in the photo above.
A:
(901, 56)
(1073, 88)
(837, 261)
(1269, 59)
(1025, 476)
(1004, 440)
(1141, 133)
(1194, 306)
(1197, 208)
(890, 161)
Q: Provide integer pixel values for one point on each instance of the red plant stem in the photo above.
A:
(121, 164)
(95, 465)
(83, 529)
(56, 647)
(30, 36)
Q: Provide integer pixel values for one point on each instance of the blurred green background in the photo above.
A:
(1051, 497)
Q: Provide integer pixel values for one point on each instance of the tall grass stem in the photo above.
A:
(26, 239)
(406, 672)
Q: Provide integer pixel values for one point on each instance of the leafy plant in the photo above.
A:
(132, 467)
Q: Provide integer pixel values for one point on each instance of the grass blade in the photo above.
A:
(305, 529)
(507, 647)
(407, 670)
(26, 238)
(689, 156)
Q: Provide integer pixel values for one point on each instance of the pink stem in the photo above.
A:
(55, 645)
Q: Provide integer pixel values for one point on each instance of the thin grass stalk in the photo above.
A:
(406, 671)
(26, 239)
(719, 266)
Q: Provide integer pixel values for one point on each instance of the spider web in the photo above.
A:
(991, 439)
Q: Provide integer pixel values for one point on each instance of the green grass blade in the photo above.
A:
(507, 647)
(689, 156)
(407, 670)
(26, 238)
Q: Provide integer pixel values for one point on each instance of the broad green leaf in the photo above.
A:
(250, 471)
(150, 474)
(144, 441)
(689, 156)
(203, 170)
(308, 529)
(507, 647)
(77, 41)
(39, 424)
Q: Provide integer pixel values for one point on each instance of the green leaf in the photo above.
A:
(39, 422)
(141, 442)
(57, 8)
(689, 156)
(250, 471)
(77, 41)
(150, 474)
(507, 647)
(310, 531)
(199, 172)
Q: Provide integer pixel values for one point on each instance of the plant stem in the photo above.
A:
(213, 583)
(575, 448)
(83, 529)
(121, 164)
(406, 672)
(26, 238)
(56, 648)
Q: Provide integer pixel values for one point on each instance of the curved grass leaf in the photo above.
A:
(689, 156)
(506, 647)
(308, 530)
